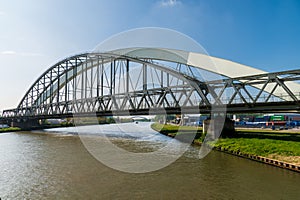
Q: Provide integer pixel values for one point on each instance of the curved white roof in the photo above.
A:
(213, 64)
(209, 63)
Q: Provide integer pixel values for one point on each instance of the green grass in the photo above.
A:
(261, 147)
(10, 129)
(263, 142)
(173, 130)
(282, 145)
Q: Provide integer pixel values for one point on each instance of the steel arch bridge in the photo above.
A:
(139, 81)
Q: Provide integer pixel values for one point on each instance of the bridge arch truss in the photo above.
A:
(110, 83)
(105, 83)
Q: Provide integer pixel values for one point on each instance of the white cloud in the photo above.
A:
(2, 13)
(20, 54)
(8, 53)
(169, 3)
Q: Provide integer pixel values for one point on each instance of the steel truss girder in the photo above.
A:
(69, 87)
(250, 90)
(106, 83)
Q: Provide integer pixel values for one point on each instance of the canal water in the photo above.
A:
(54, 164)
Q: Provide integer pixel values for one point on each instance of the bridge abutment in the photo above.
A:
(218, 126)
(26, 124)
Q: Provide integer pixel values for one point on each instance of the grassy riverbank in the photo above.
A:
(172, 130)
(279, 145)
(288, 151)
(9, 129)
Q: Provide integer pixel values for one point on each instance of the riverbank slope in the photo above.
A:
(280, 146)
(9, 129)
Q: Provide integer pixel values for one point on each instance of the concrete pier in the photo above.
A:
(218, 126)
(26, 124)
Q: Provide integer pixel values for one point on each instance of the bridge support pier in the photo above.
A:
(218, 126)
(26, 124)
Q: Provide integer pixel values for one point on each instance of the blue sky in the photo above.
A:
(35, 34)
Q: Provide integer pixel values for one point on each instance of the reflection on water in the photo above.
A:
(53, 164)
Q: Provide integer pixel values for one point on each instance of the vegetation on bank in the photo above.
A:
(284, 146)
(279, 145)
(9, 129)
(173, 130)
(288, 151)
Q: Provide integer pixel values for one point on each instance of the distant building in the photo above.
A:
(194, 119)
